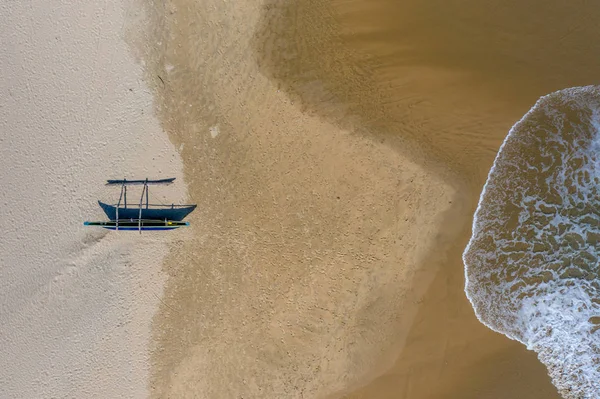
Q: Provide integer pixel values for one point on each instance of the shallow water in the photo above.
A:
(437, 82)
(532, 263)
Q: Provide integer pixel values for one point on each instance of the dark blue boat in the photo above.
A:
(152, 212)
(144, 211)
(144, 216)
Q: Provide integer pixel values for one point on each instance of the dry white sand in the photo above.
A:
(75, 303)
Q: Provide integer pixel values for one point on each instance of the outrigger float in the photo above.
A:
(146, 216)
(136, 224)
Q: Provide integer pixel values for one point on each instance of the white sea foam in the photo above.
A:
(532, 263)
(75, 303)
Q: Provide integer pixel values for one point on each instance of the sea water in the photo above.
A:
(532, 262)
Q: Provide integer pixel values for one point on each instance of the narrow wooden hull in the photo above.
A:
(175, 213)
(135, 225)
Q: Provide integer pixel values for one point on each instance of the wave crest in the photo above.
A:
(533, 260)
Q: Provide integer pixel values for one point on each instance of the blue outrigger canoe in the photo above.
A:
(145, 216)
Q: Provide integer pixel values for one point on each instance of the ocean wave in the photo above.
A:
(532, 264)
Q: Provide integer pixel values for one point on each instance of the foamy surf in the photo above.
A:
(532, 261)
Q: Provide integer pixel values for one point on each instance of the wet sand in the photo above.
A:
(336, 151)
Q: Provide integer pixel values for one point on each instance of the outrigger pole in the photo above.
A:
(123, 195)
(145, 188)
(123, 188)
(124, 183)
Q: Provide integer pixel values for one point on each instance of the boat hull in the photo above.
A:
(135, 225)
(174, 213)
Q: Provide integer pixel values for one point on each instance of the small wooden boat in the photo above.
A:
(139, 225)
(148, 217)
(147, 210)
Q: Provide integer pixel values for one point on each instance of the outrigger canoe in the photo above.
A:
(144, 216)
(122, 210)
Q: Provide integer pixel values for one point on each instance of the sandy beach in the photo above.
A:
(336, 150)
(76, 303)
